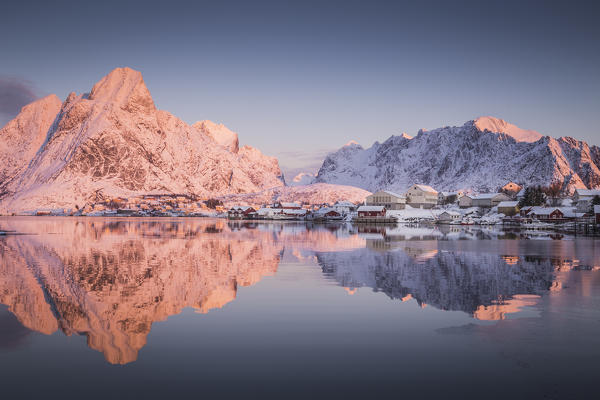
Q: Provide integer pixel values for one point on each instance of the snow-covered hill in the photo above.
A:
(317, 193)
(114, 142)
(303, 178)
(481, 155)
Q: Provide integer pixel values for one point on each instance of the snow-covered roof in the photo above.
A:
(587, 192)
(295, 212)
(425, 188)
(324, 210)
(455, 213)
(266, 211)
(344, 203)
(596, 209)
(485, 196)
(447, 194)
(240, 208)
(521, 193)
(371, 208)
(508, 204)
(546, 210)
(393, 193)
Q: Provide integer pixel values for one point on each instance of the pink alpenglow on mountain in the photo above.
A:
(115, 142)
(220, 134)
(498, 125)
(303, 178)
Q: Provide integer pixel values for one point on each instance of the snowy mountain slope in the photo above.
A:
(303, 178)
(317, 193)
(23, 136)
(471, 156)
(114, 142)
(220, 134)
(498, 125)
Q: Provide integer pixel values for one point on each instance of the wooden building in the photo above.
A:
(421, 196)
(371, 211)
(489, 200)
(508, 208)
(387, 199)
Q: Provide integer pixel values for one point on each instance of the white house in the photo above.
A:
(449, 216)
(582, 198)
(465, 201)
(344, 207)
(489, 200)
(443, 197)
(268, 213)
(421, 196)
(387, 199)
(585, 195)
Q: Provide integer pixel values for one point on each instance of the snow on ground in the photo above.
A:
(318, 193)
(411, 213)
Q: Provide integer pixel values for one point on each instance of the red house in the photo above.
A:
(371, 211)
(241, 212)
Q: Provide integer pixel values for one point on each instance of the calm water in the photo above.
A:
(113, 308)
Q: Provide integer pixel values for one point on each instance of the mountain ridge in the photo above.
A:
(470, 157)
(115, 142)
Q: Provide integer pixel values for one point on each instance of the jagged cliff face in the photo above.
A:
(481, 155)
(114, 142)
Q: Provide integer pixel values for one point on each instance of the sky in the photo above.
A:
(300, 79)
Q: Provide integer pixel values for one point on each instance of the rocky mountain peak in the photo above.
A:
(126, 88)
(497, 125)
(220, 134)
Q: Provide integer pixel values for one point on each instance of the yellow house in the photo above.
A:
(422, 196)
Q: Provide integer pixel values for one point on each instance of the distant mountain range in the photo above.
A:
(482, 155)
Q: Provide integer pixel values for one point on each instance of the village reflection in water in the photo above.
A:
(111, 279)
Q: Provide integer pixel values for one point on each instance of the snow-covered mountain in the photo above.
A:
(303, 178)
(112, 142)
(481, 155)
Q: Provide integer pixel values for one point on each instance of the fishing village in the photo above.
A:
(512, 206)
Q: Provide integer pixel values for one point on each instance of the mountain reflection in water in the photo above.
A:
(111, 279)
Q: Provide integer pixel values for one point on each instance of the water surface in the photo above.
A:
(111, 308)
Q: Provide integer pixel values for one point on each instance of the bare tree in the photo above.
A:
(554, 192)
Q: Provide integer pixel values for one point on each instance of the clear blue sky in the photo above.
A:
(297, 80)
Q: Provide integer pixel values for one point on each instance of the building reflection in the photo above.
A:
(110, 280)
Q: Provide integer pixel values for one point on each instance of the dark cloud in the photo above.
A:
(14, 94)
